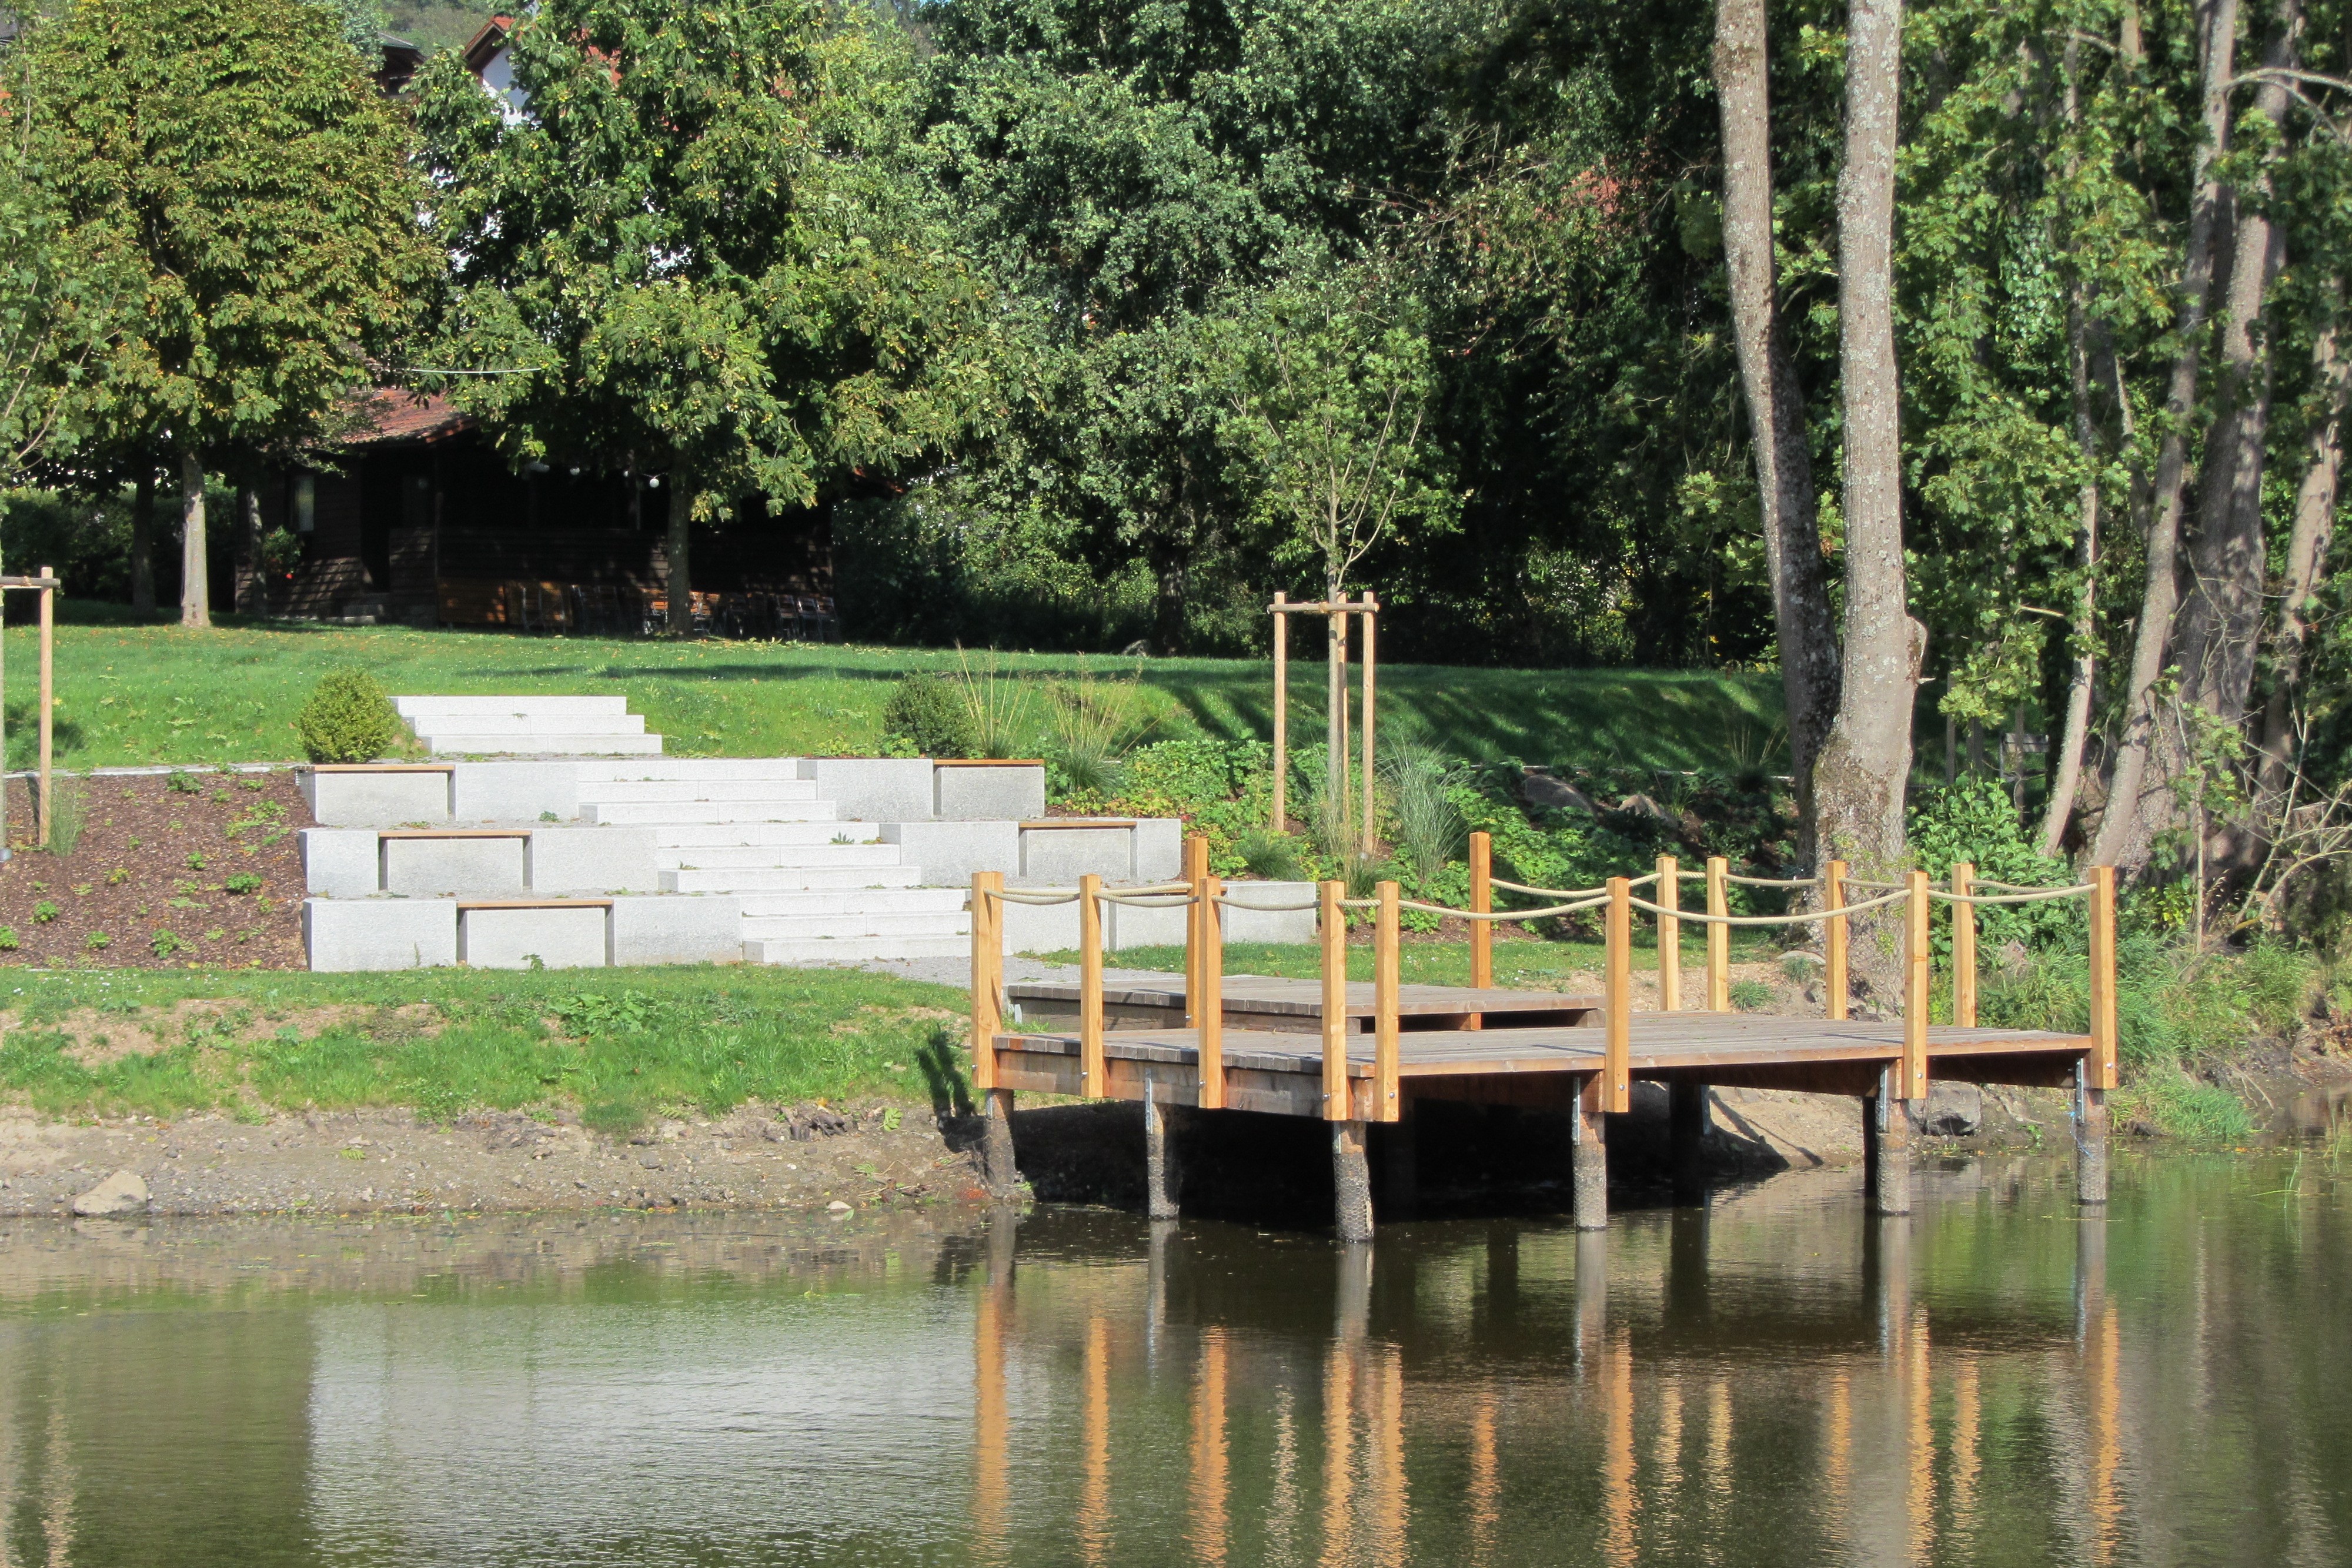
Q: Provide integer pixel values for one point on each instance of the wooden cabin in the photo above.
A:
(418, 521)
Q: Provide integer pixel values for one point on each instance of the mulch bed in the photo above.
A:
(206, 875)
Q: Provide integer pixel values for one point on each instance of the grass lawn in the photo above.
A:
(619, 1044)
(1526, 966)
(134, 692)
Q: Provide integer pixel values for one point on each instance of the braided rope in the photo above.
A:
(1265, 908)
(1504, 914)
(2040, 895)
(1772, 880)
(1767, 919)
(1040, 897)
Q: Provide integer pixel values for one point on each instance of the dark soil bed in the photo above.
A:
(189, 870)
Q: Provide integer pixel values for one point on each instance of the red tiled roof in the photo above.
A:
(387, 416)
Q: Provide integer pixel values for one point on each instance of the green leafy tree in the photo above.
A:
(235, 159)
(695, 244)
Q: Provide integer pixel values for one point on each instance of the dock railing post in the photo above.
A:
(987, 975)
(1911, 1083)
(1385, 958)
(1092, 1070)
(1670, 936)
(1718, 936)
(2105, 1074)
(1617, 1035)
(1481, 932)
(1281, 822)
(1332, 925)
(1213, 993)
(1833, 980)
(1196, 871)
(1964, 947)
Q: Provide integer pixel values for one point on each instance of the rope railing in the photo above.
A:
(1800, 918)
(1350, 1093)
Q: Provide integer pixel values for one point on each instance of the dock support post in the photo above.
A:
(1589, 1130)
(1401, 1160)
(1886, 1128)
(1670, 936)
(1833, 938)
(997, 1164)
(1718, 934)
(1093, 1071)
(1592, 1294)
(1351, 1182)
(2091, 1126)
(1964, 947)
(1387, 1102)
(1331, 930)
(1686, 1122)
(1161, 1179)
(1481, 932)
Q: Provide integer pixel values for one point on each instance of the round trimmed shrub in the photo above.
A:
(927, 715)
(348, 718)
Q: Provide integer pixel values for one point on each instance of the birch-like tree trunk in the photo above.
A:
(195, 599)
(2222, 620)
(1776, 404)
(2136, 804)
(1859, 780)
(2306, 565)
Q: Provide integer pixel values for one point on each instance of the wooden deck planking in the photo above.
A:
(1682, 1043)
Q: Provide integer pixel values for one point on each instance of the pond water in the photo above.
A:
(1775, 1378)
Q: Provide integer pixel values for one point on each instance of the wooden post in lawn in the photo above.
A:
(1385, 1007)
(1670, 936)
(1481, 932)
(1369, 611)
(1964, 947)
(1718, 936)
(1331, 926)
(1281, 713)
(1092, 1074)
(1833, 980)
(48, 624)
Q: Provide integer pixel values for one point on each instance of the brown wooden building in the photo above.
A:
(421, 522)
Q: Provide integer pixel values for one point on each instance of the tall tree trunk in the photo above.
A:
(2084, 632)
(195, 599)
(2221, 621)
(252, 592)
(1859, 781)
(680, 590)
(143, 536)
(2135, 806)
(1776, 405)
(2306, 564)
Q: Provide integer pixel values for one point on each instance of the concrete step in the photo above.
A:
(694, 768)
(793, 879)
(675, 814)
(739, 835)
(509, 743)
(617, 791)
(431, 725)
(820, 927)
(769, 856)
(412, 707)
(831, 902)
(854, 949)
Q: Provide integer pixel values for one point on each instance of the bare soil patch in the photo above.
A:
(191, 870)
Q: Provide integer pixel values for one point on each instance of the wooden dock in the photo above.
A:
(1353, 1053)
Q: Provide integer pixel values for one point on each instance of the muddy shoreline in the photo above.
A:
(883, 1158)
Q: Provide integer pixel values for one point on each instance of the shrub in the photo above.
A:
(927, 715)
(1973, 820)
(347, 718)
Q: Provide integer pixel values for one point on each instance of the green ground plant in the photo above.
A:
(926, 716)
(348, 718)
(617, 1045)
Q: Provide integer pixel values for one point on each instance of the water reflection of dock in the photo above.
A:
(1211, 1422)
(1356, 1055)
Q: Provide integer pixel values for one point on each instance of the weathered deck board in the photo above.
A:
(1274, 997)
(1662, 1042)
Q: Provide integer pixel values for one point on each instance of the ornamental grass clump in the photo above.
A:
(348, 718)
